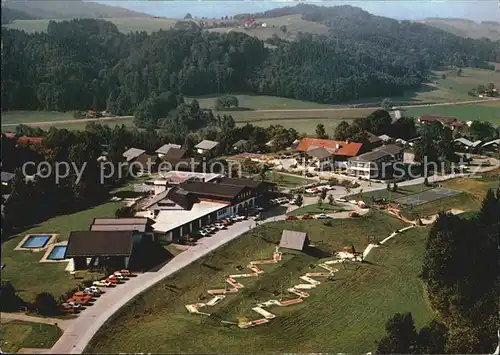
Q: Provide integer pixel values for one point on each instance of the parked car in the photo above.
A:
(353, 214)
(81, 294)
(112, 280)
(322, 216)
(213, 228)
(203, 233)
(80, 300)
(123, 277)
(119, 278)
(220, 226)
(257, 217)
(126, 272)
(94, 289)
(70, 306)
(291, 217)
(102, 283)
(307, 216)
(241, 218)
(90, 293)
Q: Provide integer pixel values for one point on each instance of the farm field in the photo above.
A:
(293, 23)
(124, 24)
(16, 117)
(452, 88)
(262, 102)
(488, 111)
(348, 313)
(17, 334)
(302, 125)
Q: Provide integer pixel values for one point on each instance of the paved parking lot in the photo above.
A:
(426, 196)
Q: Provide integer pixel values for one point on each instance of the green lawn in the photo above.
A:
(17, 117)
(28, 276)
(488, 111)
(301, 125)
(452, 88)
(262, 102)
(286, 180)
(347, 314)
(317, 209)
(16, 335)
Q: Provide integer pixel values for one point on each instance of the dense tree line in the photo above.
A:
(436, 145)
(461, 274)
(86, 63)
(379, 122)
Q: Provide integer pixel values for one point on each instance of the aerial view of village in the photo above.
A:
(250, 177)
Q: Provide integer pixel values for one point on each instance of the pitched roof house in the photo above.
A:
(206, 145)
(336, 148)
(133, 153)
(294, 240)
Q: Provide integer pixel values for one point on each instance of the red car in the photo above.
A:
(353, 214)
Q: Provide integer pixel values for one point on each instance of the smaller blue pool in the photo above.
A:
(36, 241)
(57, 252)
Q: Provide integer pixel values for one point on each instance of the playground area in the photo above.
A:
(331, 316)
(426, 196)
(299, 291)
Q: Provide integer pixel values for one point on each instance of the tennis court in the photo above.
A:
(426, 196)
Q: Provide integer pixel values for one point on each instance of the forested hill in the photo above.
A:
(9, 15)
(67, 9)
(87, 63)
(353, 23)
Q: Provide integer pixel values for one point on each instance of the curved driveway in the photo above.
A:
(81, 330)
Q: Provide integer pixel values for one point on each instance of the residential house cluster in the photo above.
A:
(360, 159)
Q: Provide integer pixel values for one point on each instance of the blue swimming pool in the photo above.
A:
(57, 252)
(36, 241)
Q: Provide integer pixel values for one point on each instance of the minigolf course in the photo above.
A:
(309, 283)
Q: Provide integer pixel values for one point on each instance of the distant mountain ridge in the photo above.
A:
(68, 9)
(466, 28)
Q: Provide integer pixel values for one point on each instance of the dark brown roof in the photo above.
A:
(122, 221)
(392, 149)
(99, 243)
(119, 227)
(386, 150)
(371, 138)
(213, 189)
(174, 155)
(183, 198)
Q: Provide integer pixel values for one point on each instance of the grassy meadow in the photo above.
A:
(124, 24)
(487, 111)
(347, 314)
(19, 334)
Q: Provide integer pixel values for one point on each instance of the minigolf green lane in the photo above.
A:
(311, 283)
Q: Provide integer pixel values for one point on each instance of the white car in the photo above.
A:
(116, 277)
(94, 289)
(119, 275)
(203, 233)
(322, 216)
(72, 305)
(240, 218)
(102, 283)
(89, 292)
(220, 226)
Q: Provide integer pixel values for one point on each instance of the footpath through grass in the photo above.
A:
(18, 334)
(402, 191)
(347, 314)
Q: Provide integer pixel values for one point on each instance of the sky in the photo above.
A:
(478, 10)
